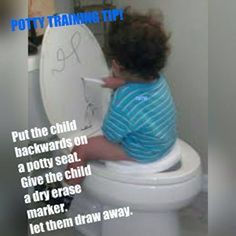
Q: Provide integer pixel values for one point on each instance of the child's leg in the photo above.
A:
(98, 148)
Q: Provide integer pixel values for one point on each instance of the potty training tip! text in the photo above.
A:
(91, 17)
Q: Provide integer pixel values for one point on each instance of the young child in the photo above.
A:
(140, 124)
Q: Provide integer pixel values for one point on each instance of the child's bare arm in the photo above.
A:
(113, 82)
(98, 148)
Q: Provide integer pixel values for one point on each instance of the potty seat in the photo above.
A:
(163, 164)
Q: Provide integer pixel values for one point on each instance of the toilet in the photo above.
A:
(153, 192)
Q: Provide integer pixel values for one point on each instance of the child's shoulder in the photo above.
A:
(135, 92)
(121, 93)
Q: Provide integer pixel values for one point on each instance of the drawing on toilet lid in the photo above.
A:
(68, 54)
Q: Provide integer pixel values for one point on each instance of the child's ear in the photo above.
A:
(115, 68)
(115, 65)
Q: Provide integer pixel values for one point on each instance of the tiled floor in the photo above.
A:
(193, 220)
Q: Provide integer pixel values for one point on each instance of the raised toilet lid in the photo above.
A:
(68, 54)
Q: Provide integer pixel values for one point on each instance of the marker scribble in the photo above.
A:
(61, 56)
(90, 108)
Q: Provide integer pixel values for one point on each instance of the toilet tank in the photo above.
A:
(36, 113)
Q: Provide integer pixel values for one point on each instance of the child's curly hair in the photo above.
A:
(139, 43)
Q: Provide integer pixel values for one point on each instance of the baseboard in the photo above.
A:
(205, 183)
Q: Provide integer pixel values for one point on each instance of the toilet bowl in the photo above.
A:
(154, 192)
(153, 197)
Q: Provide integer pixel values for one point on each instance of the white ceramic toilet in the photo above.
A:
(154, 192)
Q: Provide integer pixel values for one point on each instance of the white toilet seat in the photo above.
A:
(130, 168)
(189, 168)
(166, 191)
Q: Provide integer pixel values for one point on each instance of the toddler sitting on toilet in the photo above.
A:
(140, 124)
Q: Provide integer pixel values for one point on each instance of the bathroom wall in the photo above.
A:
(41, 8)
(187, 71)
(45, 7)
(222, 117)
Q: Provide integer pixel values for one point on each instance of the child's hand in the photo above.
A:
(113, 82)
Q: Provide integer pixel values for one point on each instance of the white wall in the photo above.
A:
(222, 117)
(187, 71)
